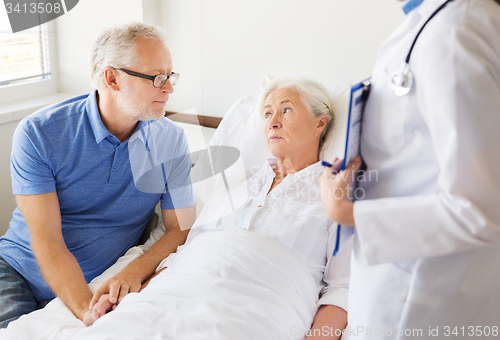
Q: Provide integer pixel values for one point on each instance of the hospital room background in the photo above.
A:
(221, 48)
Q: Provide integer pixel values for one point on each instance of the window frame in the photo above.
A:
(35, 88)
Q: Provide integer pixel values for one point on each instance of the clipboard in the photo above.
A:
(359, 96)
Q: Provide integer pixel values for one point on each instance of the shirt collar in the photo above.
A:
(142, 131)
(429, 7)
(411, 5)
(100, 131)
(311, 170)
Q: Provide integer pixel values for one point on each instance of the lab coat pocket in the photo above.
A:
(384, 129)
(372, 287)
(398, 286)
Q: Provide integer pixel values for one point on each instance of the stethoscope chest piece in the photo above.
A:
(401, 81)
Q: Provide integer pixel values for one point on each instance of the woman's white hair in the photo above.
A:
(315, 96)
(115, 47)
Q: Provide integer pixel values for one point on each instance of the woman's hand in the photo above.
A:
(328, 324)
(336, 188)
(145, 284)
(99, 309)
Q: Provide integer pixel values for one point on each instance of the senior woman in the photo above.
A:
(260, 270)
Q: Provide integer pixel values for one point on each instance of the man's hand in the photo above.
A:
(139, 270)
(127, 281)
(105, 303)
(336, 187)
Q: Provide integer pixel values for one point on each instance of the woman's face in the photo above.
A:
(289, 126)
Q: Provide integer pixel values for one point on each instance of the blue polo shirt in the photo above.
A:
(67, 149)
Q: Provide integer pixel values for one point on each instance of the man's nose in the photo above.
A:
(167, 87)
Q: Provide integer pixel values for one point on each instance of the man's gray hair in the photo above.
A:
(315, 96)
(115, 47)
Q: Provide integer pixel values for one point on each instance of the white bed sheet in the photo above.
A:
(243, 286)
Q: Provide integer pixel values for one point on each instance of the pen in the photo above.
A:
(329, 165)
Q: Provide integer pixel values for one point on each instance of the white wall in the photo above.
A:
(77, 30)
(75, 33)
(223, 48)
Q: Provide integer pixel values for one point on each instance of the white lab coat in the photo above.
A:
(427, 247)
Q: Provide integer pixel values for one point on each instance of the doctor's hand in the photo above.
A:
(126, 281)
(336, 188)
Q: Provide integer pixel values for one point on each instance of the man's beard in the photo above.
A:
(138, 111)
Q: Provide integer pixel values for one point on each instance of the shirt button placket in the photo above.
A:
(114, 168)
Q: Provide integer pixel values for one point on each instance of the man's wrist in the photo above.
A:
(81, 307)
(80, 312)
(140, 268)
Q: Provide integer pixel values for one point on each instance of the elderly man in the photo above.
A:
(80, 206)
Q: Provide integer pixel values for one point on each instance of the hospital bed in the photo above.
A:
(241, 128)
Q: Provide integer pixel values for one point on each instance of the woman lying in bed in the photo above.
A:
(254, 271)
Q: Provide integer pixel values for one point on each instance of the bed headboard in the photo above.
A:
(206, 121)
(199, 130)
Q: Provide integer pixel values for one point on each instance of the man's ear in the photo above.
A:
(110, 78)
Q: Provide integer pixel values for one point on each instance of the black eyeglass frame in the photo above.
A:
(174, 77)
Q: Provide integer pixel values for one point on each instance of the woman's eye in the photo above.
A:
(268, 115)
(287, 110)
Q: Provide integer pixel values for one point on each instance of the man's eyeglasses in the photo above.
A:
(158, 81)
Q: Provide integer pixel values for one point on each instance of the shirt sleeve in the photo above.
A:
(337, 272)
(179, 187)
(30, 166)
(458, 75)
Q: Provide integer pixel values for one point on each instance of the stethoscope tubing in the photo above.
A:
(422, 28)
(401, 81)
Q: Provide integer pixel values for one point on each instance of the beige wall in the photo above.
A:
(7, 200)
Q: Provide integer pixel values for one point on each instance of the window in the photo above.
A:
(27, 61)
(24, 56)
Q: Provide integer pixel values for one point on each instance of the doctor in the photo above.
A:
(426, 261)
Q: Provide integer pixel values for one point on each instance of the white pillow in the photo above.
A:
(243, 128)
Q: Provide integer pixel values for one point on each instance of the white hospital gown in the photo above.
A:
(291, 214)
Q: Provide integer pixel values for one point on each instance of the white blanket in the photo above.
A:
(223, 285)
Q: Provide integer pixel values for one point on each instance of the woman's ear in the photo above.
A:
(322, 123)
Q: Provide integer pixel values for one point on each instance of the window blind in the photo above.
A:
(24, 56)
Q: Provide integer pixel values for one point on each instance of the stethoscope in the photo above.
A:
(401, 81)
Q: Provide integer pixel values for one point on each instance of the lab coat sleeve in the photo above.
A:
(458, 75)
(337, 272)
